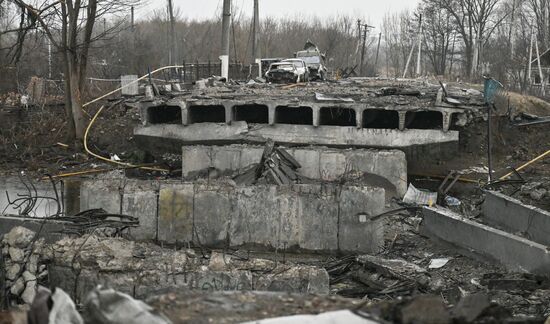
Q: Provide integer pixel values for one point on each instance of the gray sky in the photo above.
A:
(373, 10)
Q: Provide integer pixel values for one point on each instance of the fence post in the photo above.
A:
(197, 71)
(184, 71)
(209, 68)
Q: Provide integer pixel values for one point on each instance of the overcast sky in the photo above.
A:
(373, 10)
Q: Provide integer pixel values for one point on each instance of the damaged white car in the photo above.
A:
(288, 71)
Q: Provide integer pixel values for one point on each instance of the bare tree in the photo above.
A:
(69, 26)
(473, 21)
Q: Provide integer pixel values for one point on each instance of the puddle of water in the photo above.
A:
(45, 203)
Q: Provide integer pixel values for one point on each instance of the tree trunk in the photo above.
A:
(76, 100)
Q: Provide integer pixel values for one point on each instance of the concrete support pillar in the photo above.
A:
(272, 110)
(184, 113)
(228, 113)
(447, 117)
(359, 117)
(185, 119)
(402, 118)
(316, 115)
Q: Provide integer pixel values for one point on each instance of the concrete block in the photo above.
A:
(212, 213)
(195, 158)
(228, 158)
(250, 155)
(140, 200)
(359, 234)
(391, 165)
(332, 165)
(310, 161)
(175, 213)
(106, 194)
(387, 168)
(514, 252)
(318, 217)
(514, 216)
(287, 213)
(257, 217)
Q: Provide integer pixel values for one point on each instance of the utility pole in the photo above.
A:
(132, 18)
(377, 52)
(226, 20)
(256, 40)
(365, 31)
(530, 58)
(171, 36)
(419, 58)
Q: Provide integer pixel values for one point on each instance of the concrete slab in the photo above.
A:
(516, 217)
(175, 213)
(217, 215)
(318, 223)
(172, 137)
(318, 163)
(140, 199)
(514, 252)
(106, 194)
(359, 234)
(212, 215)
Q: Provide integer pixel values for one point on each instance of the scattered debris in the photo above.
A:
(419, 197)
(438, 263)
(276, 166)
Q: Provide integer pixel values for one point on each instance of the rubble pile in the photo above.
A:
(141, 269)
(276, 167)
(22, 266)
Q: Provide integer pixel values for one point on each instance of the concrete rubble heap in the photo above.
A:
(140, 269)
(22, 264)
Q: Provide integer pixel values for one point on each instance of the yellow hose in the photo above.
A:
(527, 164)
(108, 159)
(101, 109)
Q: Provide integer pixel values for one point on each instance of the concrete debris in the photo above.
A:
(419, 197)
(343, 316)
(471, 307)
(141, 269)
(275, 167)
(438, 263)
(21, 263)
(427, 310)
(107, 306)
(322, 97)
(19, 237)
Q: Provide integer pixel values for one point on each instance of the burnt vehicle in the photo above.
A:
(288, 71)
(314, 61)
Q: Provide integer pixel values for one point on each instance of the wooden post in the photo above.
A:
(197, 71)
